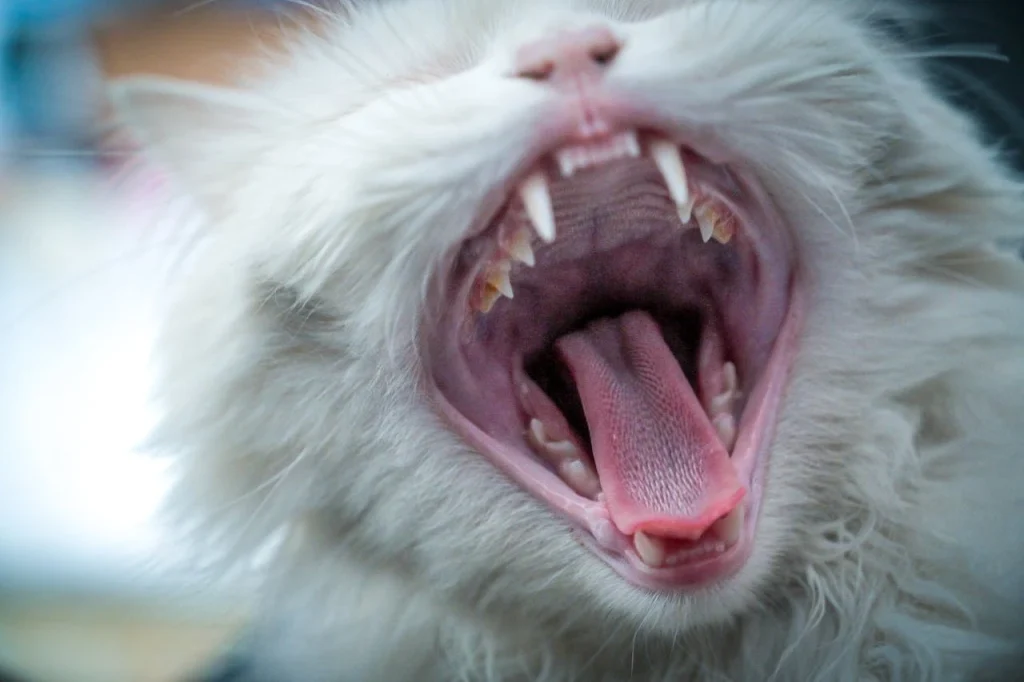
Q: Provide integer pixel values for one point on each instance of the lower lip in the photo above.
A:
(697, 574)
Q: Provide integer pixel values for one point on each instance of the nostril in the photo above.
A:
(568, 55)
(539, 70)
(605, 54)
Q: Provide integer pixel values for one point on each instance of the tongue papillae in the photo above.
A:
(662, 467)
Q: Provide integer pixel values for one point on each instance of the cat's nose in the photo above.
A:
(566, 57)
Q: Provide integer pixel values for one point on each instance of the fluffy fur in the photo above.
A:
(333, 183)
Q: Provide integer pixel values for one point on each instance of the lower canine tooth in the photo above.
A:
(729, 527)
(651, 550)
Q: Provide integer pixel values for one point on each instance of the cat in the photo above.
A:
(599, 340)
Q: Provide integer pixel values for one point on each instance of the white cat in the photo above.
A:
(601, 340)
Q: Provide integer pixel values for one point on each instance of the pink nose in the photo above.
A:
(566, 57)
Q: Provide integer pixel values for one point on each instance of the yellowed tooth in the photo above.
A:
(713, 225)
(520, 249)
(498, 278)
(488, 298)
(706, 221)
(724, 229)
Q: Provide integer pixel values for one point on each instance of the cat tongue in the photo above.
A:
(662, 467)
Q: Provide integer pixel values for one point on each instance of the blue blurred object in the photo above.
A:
(49, 79)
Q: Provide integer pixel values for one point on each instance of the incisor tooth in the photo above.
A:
(729, 527)
(519, 248)
(669, 160)
(537, 198)
(651, 550)
(566, 165)
(632, 144)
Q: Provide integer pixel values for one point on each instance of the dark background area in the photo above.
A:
(994, 89)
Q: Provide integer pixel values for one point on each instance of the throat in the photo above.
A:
(681, 331)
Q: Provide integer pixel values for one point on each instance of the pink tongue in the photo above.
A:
(662, 467)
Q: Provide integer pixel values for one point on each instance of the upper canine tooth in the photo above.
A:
(669, 160)
(537, 198)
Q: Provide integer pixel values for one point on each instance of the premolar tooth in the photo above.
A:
(498, 278)
(556, 451)
(520, 249)
(567, 460)
(580, 477)
(705, 219)
(537, 198)
(714, 225)
(488, 297)
(729, 378)
(725, 426)
(729, 527)
(722, 402)
(651, 550)
(669, 160)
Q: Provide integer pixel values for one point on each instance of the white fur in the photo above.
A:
(889, 546)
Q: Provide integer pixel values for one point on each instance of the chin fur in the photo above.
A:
(887, 545)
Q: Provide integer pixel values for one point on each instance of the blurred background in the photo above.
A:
(92, 587)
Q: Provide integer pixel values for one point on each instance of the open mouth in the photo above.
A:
(616, 339)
